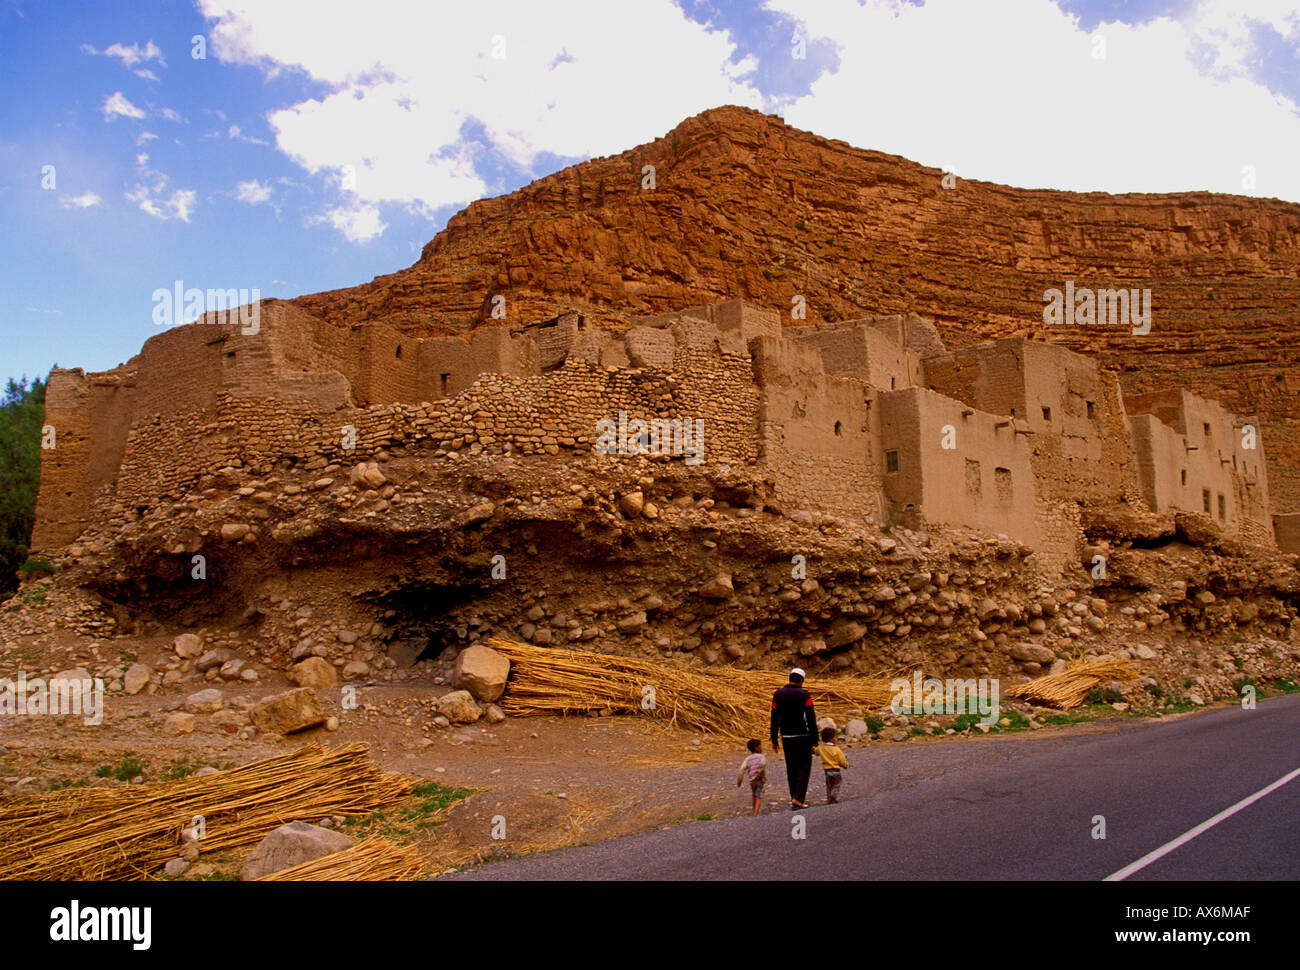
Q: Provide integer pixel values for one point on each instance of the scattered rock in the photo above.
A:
(482, 672)
(291, 845)
(314, 672)
(178, 723)
(718, 588)
(459, 707)
(176, 868)
(137, 678)
(188, 645)
(294, 710)
(204, 701)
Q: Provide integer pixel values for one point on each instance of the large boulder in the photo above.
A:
(294, 710)
(459, 707)
(137, 678)
(188, 645)
(292, 845)
(315, 672)
(482, 671)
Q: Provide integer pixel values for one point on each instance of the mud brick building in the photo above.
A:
(872, 416)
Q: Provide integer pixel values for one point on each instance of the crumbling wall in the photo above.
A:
(862, 352)
(449, 365)
(90, 415)
(816, 431)
(734, 317)
(550, 413)
(1286, 529)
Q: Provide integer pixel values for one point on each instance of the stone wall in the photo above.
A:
(551, 413)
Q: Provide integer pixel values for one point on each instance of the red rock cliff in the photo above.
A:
(746, 206)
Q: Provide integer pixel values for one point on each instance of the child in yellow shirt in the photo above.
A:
(833, 762)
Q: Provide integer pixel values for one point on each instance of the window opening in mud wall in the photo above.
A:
(1002, 485)
(445, 379)
(891, 461)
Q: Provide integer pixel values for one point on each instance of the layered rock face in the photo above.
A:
(744, 206)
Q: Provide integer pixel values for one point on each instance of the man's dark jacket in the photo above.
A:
(792, 714)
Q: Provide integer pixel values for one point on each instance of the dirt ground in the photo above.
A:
(538, 782)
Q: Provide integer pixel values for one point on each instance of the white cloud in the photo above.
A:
(130, 56)
(170, 115)
(235, 133)
(579, 78)
(359, 223)
(178, 205)
(252, 192)
(154, 195)
(1224, 28)
(1010, 92)
(144, 136)
(116, 105)
(84, 201)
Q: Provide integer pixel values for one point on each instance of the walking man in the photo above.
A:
(794, 722)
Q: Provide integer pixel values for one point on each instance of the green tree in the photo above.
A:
(22, 412)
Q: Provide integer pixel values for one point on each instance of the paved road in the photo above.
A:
(1029, 816)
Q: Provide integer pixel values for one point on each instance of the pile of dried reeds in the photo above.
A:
(1071, 686)
(128, 833)
(730, 703)
(374, 860)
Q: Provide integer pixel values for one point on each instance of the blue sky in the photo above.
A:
(306, 153)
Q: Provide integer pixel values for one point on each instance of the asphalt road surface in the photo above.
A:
(1028, 815)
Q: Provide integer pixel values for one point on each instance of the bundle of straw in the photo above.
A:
(730, 703)
(374, 860)
(1071, 686)
(129, 833)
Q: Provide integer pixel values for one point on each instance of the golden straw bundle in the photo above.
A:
(731, 703)
(129, 833)
(374, 860)
(1071, 686)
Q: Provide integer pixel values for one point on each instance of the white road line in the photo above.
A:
(1190, 834)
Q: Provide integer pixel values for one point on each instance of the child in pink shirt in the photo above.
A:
(754, 768)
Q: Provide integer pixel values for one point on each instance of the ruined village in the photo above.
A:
(534, 579)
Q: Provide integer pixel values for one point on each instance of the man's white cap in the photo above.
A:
(798, 672)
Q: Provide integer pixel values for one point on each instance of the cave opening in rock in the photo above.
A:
(427, 620)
